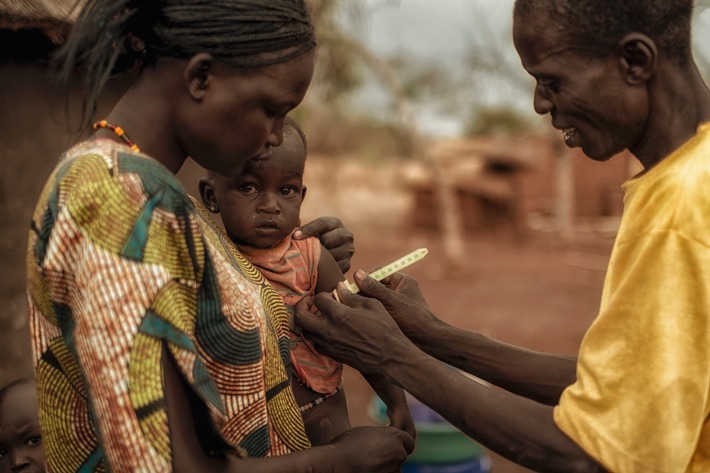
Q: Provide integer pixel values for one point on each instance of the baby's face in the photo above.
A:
(262, 206)
(20, 439)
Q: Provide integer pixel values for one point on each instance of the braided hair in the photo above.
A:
(114, 36)
(600, 24)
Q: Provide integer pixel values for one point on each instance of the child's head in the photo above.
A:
(20, 439)
(261, 206)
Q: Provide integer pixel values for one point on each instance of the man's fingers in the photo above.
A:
(306, 319)
(369, 286)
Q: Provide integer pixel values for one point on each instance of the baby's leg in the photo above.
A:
(327, 419)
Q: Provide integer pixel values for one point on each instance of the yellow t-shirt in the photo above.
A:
(642, 396)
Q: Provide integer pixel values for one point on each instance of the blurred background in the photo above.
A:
(421, 134)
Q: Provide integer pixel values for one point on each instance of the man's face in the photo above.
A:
(587, 95)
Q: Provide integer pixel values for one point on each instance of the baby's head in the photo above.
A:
(262, 205)
(20, 439)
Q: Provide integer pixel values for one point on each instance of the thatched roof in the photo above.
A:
(53, 17)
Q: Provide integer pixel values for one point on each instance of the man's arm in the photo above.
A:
(535, 375)
(361, 333)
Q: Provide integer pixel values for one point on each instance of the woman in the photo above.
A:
(157, 347)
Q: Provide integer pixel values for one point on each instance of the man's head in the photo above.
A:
(599, 25)
(20, 439)
(594, 60)
(261, 206)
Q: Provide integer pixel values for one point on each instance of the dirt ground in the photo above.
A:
(535, 293)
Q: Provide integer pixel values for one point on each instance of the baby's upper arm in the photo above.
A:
(329, 273)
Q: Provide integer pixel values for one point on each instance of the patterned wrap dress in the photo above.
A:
(122, 262)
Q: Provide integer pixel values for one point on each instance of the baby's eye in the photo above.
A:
(247, 188)
(3, 452)
(32, 441)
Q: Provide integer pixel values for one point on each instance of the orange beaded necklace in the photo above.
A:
(119, 132)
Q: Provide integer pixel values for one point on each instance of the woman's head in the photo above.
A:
(113, 36)
(243, 64)
(261, 206)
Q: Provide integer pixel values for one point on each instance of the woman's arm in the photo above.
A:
(364, 449)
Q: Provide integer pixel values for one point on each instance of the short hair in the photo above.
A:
(113, 36)
(601, 24)
(292, 126)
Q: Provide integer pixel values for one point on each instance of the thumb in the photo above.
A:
(305, 318)
(370, 287)
(314, 228)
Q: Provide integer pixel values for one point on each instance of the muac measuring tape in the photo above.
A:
(389, 269)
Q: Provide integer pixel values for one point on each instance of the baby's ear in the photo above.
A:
(207, 195)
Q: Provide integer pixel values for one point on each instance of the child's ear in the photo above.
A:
(207, 195)
(303, 193)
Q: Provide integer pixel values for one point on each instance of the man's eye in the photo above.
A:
(288, 191)
(549, 84)
(36, 440)
(3, 452)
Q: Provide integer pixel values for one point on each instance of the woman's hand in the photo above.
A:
(333, 235)
(373, 449)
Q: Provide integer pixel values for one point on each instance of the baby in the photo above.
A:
(259, 209)
(20, 439)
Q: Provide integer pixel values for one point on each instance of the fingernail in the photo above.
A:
(297, 234)
(360, 275)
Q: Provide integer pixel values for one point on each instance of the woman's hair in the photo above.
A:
(601, 24)
(113, 36)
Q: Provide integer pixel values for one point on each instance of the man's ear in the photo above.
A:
(207, 195)
(638, 58)
(197, 74)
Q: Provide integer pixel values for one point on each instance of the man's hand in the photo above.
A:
(400, 295)
(357, 331)
(333, 235)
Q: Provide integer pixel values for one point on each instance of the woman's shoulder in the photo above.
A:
(101, 172)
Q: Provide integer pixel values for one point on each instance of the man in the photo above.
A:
(613, 75)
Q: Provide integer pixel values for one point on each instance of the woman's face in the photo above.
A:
(241, 116)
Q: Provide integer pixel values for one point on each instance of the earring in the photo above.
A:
(213, 208)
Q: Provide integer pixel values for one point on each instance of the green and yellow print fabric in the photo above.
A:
(120, 264)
